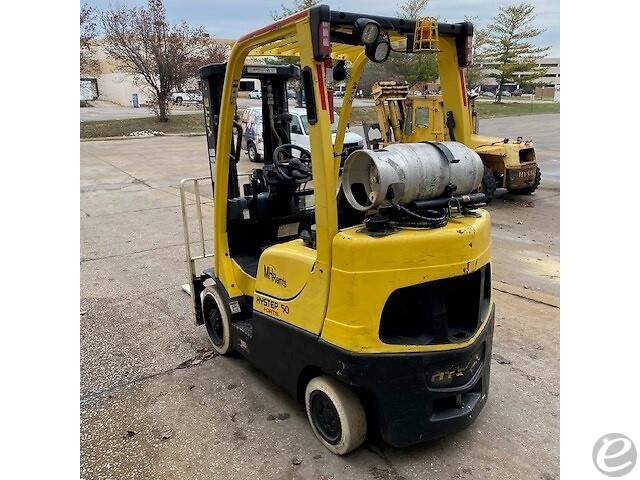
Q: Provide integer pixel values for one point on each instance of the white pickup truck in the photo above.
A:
(253, 143)
(186, 96)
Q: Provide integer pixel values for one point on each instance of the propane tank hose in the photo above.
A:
(429, 219)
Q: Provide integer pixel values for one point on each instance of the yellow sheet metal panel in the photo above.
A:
(462, 238)
(494, 149)
(291, 287)
(284, 269)
(366, 270)
(454, 89)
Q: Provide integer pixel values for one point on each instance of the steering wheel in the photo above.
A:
(297, 170)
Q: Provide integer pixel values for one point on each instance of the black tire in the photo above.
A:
(179, 101)
(216, 320)
(252, 151)
(532, 188)
(489, 184)
(336, 414)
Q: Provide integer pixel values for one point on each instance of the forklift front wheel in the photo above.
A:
(489, 184)
(216, 319)
(336, 414)
(252, 151)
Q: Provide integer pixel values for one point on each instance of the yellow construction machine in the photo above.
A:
(405, 118)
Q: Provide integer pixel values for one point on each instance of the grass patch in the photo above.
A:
(189, 123)
(360, 114)
(490, 109)
(484, 109)
(194, 123)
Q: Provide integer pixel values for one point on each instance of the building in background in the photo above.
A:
(550, 80)
(120, 87)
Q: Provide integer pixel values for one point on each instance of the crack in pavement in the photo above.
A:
(203, 356)
(531, 295)
(135, 179)
(117, 255)
(124, 212)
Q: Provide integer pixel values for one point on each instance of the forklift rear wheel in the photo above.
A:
(532, 188)
(336, 415)
(216, 319)
(488, 186)
(252, 151)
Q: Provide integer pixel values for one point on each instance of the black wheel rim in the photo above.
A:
(325, 417)
(215, 327)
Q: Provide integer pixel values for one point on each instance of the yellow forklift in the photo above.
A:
(402, 118)
(366, 295)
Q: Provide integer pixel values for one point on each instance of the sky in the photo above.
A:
(233, 18)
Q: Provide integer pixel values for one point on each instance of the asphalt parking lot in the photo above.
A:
(156, 404)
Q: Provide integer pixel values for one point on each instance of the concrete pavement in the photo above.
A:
(154, 404)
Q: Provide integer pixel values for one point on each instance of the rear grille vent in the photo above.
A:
(527, 155)
(443, 311)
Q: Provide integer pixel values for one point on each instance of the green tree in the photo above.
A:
(417, 67)
(296, 6)
(510, 47)
(413, 68)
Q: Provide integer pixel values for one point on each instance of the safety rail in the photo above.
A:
(191, 258)
(189, 288)
(185, 219)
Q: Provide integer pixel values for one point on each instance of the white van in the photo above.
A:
(252, 132)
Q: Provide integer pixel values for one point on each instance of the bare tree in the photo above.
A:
(87, 34)
(509, 46)
(412, 9)
(297, 5)
(141, 41)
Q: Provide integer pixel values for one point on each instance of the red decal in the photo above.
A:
(464, 88)
(328, 68)
(323, 92)
(271, 26)
(330, 95)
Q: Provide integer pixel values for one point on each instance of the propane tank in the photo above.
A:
(403, 172)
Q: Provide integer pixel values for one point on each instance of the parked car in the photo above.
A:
(505, 93)
(291, 93)
(186, 96)
(255, 94)
(517, 93)
(488, 94)
(253, 143)
(338, 93)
